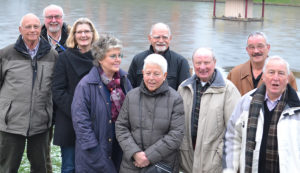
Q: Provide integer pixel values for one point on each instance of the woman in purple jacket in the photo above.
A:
(97, 100)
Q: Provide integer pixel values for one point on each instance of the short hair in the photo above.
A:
(257, 33)
(153, 26)
(22, 19)
(277, 58)
(103, 45)
(158, 60)
(204, 50)
(71, 41)
(53, 6)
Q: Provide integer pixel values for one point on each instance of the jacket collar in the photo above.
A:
(44, 47)
(161, 90)
(165, 54)
(81, 62)
(246, 70)
(218, 82)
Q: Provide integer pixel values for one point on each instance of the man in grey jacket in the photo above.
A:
(25, 97)
(209, 100)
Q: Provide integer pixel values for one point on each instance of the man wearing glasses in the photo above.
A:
(26, 69)
(247, 76)
(159, 38)
(55, 30)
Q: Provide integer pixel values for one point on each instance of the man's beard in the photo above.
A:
(54, 28)
(160, 49)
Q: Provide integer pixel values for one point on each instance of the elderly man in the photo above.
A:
(209, 100)
(263, 132)
(25, 98)
(159, 38)
(55, 30)
(247, 76)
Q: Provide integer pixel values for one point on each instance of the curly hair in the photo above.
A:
(103, 45)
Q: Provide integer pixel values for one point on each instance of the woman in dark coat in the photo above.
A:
(97, 100)
(150, 125)
(71, 66)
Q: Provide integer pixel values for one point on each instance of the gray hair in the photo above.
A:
(277, 58)
(204, 50)
(103, 45)
(31, 14)
(258, 33)
(162, 24)
(158, 60)
(53, 6)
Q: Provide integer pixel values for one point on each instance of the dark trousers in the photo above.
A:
(12, 148)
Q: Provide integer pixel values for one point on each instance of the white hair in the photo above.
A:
(28, 14)
(162, 24)
(53, 6)
(258, 33)
(204, 51)
(277, 58)
(158, 60)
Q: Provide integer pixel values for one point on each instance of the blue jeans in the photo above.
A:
(68, 159)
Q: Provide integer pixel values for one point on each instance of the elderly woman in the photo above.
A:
(71, 66)
(151, 122)
(97, 100)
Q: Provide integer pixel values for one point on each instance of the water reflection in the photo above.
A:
(191, 24)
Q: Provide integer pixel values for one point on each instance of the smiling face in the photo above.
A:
(275, 77)
(53, 19)
(257, 49)
(204, 64)
(84, 36)
(160, 38)
(153, 76)
(30, 29)
(111, 62)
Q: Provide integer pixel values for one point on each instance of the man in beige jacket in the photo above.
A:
(209, 100)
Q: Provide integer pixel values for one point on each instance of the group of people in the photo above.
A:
(108, 120)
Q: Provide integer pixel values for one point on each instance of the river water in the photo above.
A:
(191, 24)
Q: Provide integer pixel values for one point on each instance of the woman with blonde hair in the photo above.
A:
(71, 66)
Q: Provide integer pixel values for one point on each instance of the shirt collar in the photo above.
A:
(32, 52)
(271, 104)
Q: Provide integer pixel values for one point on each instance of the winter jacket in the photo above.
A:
(288, 129)
(93, 125)
(25, 94)
(162, 126)
(178, 68)
(64, 35)
(70, 67)
(216, 106)
(241, 76)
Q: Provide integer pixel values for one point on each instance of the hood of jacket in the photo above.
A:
(164, 88)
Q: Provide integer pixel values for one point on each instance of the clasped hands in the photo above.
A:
(140, 159)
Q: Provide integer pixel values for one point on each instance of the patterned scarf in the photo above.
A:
(116, 93)
(272, 159)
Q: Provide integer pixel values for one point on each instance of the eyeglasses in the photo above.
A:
(154, 74)
(259, 47)
(83, 32)
(115, 56)
(51, 17)
(28, 27)
(157, 37)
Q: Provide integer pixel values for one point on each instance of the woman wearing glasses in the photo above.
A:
(96, 104)
(71, 66)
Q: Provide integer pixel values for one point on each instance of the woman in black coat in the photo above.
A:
(71, 66)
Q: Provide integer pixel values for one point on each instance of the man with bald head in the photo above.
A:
(209, 100)
(55, 30)
(25, 98)
(160, 38)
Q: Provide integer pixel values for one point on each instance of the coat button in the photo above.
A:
(107, 103)
(109, 157)
(109, 121)
(100, 86)
(109, 139)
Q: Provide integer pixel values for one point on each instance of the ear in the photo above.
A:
(149, 38)
(165, 75)
(170, 37)
(20, 29)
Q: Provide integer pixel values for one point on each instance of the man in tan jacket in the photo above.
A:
(209, 100)
(247, 76)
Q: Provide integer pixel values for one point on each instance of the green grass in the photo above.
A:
(55, 158)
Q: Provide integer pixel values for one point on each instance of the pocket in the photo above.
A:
(5, 106)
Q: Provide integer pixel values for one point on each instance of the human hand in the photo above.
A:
(140, 159)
